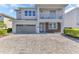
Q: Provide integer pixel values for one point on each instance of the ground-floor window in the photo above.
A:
(52, 26)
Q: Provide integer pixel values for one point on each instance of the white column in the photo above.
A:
(62, 23)
(37, 25)
(62, 27)
(56, 14)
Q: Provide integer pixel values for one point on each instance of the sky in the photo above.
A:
(8, 9)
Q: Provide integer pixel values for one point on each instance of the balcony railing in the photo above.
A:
(50, 16)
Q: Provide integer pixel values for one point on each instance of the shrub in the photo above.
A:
(2, 25)
(9, 30)
(72, 32)
(3, 32)
(66, 30)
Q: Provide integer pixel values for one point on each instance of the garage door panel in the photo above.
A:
(25, 29)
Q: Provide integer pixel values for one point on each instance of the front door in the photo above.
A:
(42, 27)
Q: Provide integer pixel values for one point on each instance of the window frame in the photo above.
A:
(52, 26)
(26, 14)
(34, 13)
(30, 13)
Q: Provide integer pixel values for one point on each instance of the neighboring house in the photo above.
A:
(7, 20)
(72, 18)
(40, 19)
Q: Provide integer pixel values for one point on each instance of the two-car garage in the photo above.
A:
(25, 29)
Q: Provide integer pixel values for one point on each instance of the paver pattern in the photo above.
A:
(38, 44)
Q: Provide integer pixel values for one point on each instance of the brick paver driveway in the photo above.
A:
(38, 43)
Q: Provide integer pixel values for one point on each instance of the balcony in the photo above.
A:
(50, 16)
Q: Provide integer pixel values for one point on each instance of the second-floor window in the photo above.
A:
(33, 13)
(29, 13)
(26, 13)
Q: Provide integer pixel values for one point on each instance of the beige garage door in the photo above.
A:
(25, 29)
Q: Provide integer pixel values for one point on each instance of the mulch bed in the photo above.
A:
(2, 36)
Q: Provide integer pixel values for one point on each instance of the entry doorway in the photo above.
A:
(42, 27)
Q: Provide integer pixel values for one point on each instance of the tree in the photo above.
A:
(2, 25)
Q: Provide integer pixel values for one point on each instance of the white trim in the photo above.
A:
(37, 29)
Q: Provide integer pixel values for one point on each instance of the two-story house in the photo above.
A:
(43, 18)
(7, 20)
